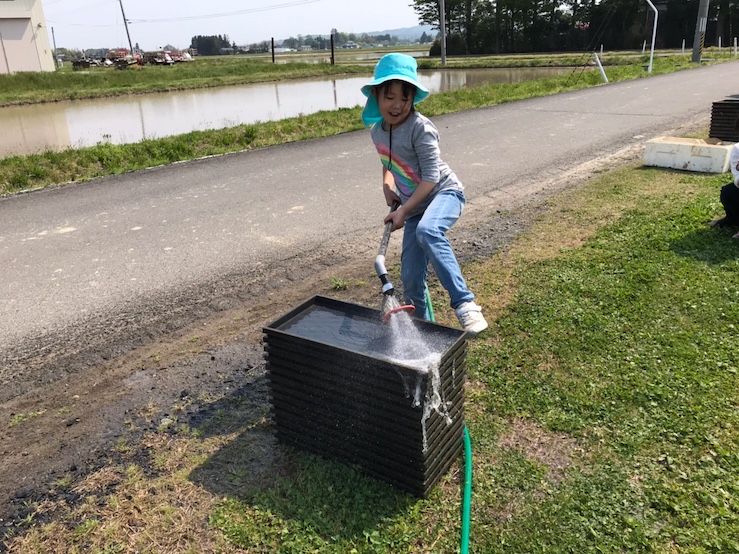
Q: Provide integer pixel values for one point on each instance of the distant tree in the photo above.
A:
(322, 43)
(317, 43)
(342, 38)
(459, 19)
(380, 38)
(291, 42)
(209, 45)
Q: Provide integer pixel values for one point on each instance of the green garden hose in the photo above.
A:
(467, 494)
(467, 489)
(429, 306)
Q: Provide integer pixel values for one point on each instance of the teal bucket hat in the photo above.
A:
(401, 67)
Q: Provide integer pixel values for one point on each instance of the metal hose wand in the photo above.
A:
(390, 305)
(387, 286)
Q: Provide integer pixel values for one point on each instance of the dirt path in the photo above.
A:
(190, 351)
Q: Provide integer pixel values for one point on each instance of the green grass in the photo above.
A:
(97, 82)
(620, 356)
(19, 173)
(19, 419)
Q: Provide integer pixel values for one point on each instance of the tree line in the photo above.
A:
(213, 45)
(511, 26)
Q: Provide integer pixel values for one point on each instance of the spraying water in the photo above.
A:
(407, 344)
(406, 341)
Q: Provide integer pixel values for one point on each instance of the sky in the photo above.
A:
(82, 24)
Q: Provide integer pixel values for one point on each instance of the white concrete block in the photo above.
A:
(689, 154)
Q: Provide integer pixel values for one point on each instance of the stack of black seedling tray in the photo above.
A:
(345, 402)
(725, 120)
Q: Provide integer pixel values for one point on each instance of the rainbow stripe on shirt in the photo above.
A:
(406, 180)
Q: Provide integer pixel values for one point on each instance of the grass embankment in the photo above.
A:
(100, 82)
(601, 403)
(18, 173)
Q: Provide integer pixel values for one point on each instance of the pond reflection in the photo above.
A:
(56, 126)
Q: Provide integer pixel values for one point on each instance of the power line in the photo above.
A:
(186, 18)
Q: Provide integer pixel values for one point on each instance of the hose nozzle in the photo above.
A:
(390, 307)
(387, 286)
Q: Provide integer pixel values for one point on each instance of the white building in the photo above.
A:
(24, 37)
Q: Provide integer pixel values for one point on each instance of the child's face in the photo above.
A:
(395, 107)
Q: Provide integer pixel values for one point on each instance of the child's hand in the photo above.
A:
(397, 218)
(390, 195)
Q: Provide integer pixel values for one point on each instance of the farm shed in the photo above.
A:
(24, 37)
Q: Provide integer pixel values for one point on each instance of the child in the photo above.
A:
(730, 195)
(431, 196)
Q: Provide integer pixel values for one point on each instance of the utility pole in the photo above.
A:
(125, 22)
(56, 58)
(334, 40)
(700, 31)
(442, 27)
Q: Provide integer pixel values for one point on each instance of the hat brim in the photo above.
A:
(371, 113)
(421, 90)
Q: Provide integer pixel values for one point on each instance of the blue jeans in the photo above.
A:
(424, 241)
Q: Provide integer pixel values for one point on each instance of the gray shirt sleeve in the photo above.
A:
(412, 153)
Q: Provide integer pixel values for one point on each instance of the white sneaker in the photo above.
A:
(470, 317)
